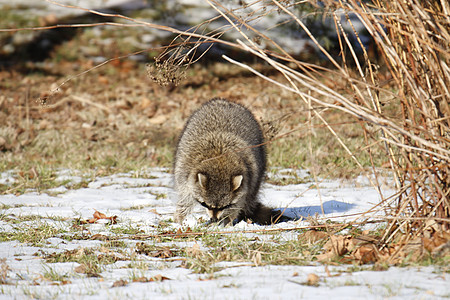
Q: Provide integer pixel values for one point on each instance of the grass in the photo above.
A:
(134, 146)
(205, 254)
(31, 231)
(92, 261)
(124, 123)
(51, 274)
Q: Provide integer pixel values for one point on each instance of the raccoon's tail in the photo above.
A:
(264, 215)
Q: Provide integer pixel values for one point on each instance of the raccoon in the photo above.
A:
(220, 162)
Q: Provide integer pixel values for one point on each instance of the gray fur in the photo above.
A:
(220, 164)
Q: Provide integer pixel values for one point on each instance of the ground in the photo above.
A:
(86, 197)
(53, 246)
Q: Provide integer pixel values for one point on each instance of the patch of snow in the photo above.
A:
(133, 198)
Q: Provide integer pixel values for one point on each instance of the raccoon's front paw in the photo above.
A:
(221, 223)
(178, 218)
(209, 222)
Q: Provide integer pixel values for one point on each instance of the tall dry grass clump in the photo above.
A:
(399, 93)
(413, 38)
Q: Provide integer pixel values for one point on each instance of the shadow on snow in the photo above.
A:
(298, 213)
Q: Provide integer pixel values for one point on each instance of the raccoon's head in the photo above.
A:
(222, 195)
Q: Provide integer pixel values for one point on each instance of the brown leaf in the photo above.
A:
(194, 250)
(153, 210)
(442, 251)
(338, 245)
(99, 237)
(312, 236)
(366, 254)
(113, 219)
(438, 239)
(100, 215)
(326, 257)
(159, 278)
(93, 220)
(81, 269)
(414, 249)
(256, 258)
(312, 280)
(163, 253)
(158, 120)
(141, 279)
(208, 278)
(120, 283)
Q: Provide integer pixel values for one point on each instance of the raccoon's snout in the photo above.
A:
(215, 214)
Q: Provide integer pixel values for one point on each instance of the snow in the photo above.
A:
(134, 199)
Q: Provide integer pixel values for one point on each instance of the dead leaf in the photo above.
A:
(164, 252)
(366, 254)
(120, 283)
(81, 269)
(153, 210)
(313, 236)
(437, 239)
(335, 247)
(208, 278)
(158, 278)
(312, 280)
(103, 79)
(194, 250)
(48, 20)
(327, 271)
(256, 258)
(99, 215)
(380, 267)
(158, 120)
(113, 219)
(99, 237)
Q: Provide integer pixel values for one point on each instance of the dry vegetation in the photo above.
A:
(403, 110)
(352, 115)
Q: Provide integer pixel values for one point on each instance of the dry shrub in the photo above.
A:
(399, 93)
(415, 49)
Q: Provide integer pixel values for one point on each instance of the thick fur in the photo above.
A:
(220, 164)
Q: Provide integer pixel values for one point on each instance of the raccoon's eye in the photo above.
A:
(203, 204)
(226, 206)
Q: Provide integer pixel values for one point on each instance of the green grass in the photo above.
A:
(91, 260)
(329, 158)
(35, 234)
(50, 274)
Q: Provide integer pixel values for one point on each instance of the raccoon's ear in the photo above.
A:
(236, 182)
(202, 180)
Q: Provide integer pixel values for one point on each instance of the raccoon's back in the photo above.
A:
(224, 116)
(219, 126)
